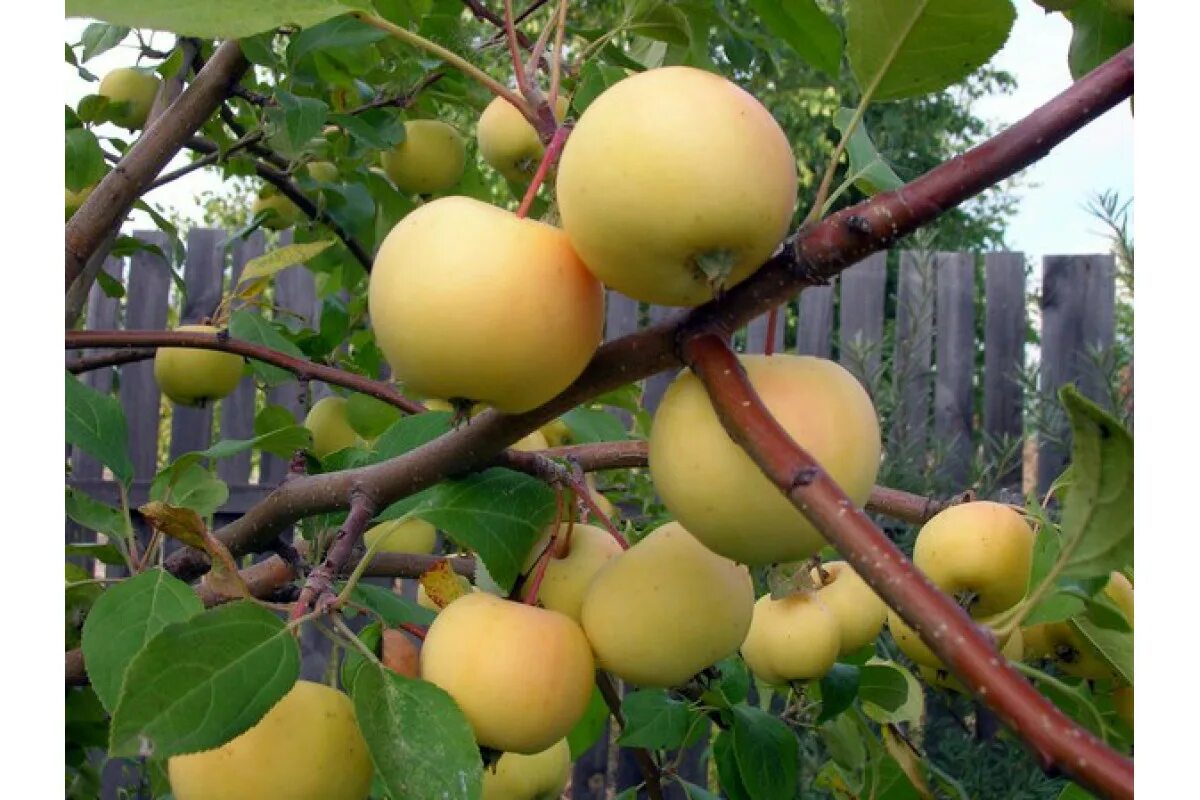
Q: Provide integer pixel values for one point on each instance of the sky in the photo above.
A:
(1051, 218)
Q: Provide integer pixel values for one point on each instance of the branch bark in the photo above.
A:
(115, 194)
(963, 645)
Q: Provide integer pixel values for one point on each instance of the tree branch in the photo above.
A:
(968, 651)
(81, 364)
(318, 588)
(115, 194)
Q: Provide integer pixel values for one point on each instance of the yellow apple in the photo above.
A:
(1069, 649)
(408, 536)
(323, 171)
(567, 579)
(859, 612)
(791, 639)
(531, 442)
(675, 183)
(602, 502)
(556, 432)
(508, 143)
(282, 213)
(522, 675)
(75, 199)
(666, 608)
(541, 776)
(191, 376)
(981, 552)
(429, 160)
(330, 429)
(135, 89)
(307, 747)
(468, 301)
(713, 488)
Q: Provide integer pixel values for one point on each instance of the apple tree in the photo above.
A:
(465, 181)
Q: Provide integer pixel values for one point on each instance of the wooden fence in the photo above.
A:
(954, 363)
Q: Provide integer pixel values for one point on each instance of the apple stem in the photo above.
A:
(553, 150)
(539, 571)
(561, 547)
(583, 492)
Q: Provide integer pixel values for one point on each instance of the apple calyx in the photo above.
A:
(714, 267)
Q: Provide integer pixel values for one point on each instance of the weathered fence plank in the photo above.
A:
(1004, 353)
(814, 326)
(952, 395)
(860, 334)
(146, 309)
(237, 410)
(912, 362)
(102, 313)
(756, 332)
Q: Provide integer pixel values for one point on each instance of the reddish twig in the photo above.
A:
(222, 341)
(81, 364)
(514, 50)
(549, 159)
(963, 646)
(911, 508)
(318, 587)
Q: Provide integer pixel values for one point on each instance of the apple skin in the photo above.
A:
(323, 171)
(983, 548)
(283, 212)
(508, 143)
(456, 271)
(666, 608)
(791, 639)
(429, 160)
(307, 747)
(859, 612)
(556, 432)
(567, 579)
(128, 85)
(410, 536)
(191, 376)
(713, 488)
(522, 675)
(541, 776)
(1071, 652)
(330, 429)
(668, 167)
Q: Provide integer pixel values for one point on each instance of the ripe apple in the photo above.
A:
(75, 199)
(713, 488)
(508, 143)
(674, 184)
(556, 432)
(429, 160)
(531, 442)
(457, 280)
(666, 608)
(133, 88)
(521, 674)
(980, 552)
(330, 429)
(323, 171)
(191, 376)
(541, 776)
(567, 578)
(408, 536)
(307, 747)
(1074, 654)
(859, 612)
(793, 638)
(282, 212)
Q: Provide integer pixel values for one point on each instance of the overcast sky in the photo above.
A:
(1050, 219)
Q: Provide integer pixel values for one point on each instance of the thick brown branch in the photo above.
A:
(219, 341)
(968, 651)
(911, 508)
(115, 194)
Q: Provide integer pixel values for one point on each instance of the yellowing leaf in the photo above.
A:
(908, 759)
(181, 524)
(258, 272)
(443, 585)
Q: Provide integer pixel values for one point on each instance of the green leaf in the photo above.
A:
(105, 553)
(806, 29)
(99, 38)
(839, 687)
(94, 515)
(590, 727)
(85, 159)
(767, 754)
(654, 719)
(110, 285)
(248, 326)
(411, 432)
(419, 739)
(914, 47)
(353, 661)
(1115, 647)
(124, 619)
(1073, 791)
(202, 682)
(1097, 522)
(733, 686)
(594, 425)
(890, 693)
(1097, 34)
(370, 416)
(728, 774)
(843, 738)
(96, 425)
(376, 129)
(695, 792)
(296, 119)
(338, 32)
(212, 19)
(594, 78)
(192, 487)
(395, 609)
(259, 271)
(871, 173)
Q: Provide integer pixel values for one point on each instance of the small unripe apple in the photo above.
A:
(793, 638)
(191, 376)
(75, 199)
(859, 612)
(522, 675)
(541, 776)
(713, 488)
(454, 273)
(429, 160)
(330, 429)
(282, 213)
(508, 143)
(135, 89)
(567, 579)
(403, 536)
(981, 552)
(307, 747)
(323, 171)
(666, 608)
(676, 183)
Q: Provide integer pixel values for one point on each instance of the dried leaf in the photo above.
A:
(443, 585)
